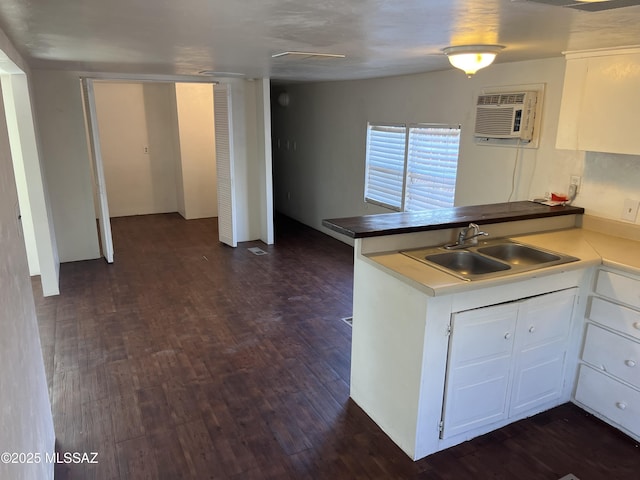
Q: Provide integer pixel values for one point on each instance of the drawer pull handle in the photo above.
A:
(532, 329)
(507, 335)
(636, 325)
(630, 363)
(621, 405)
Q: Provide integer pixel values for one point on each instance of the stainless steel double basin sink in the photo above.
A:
(489, 259)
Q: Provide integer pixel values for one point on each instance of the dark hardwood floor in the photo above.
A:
(190, 359)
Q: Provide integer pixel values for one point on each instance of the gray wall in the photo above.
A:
(58, 107)
(319, 164)
(131, 116)
(25, 411)
(65, 155)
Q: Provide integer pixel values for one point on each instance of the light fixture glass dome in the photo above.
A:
(471, 58)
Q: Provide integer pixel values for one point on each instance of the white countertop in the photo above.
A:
(592, 248)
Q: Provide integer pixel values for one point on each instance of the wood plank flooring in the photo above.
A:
(190, 359)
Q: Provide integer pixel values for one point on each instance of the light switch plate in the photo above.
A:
(630, 210)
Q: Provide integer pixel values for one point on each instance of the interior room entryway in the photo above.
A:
(153, 150)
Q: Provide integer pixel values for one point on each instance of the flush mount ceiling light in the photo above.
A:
(471, 58)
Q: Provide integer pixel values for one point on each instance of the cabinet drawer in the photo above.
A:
(618, 402)
(612, 353)
(618, 287)
(614, 316)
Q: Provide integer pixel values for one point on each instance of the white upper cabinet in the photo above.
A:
(600, 109)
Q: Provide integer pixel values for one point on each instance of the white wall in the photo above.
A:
(21, 175)
(319, 164)
(197, 158)
(607, 180)
(247, 163)
(130, 117)
(25, 413)
(175, 134)
(42, 253)
(58, 108)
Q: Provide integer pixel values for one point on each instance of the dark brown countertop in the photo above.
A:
(407, 222)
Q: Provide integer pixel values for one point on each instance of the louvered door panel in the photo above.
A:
(224, 165)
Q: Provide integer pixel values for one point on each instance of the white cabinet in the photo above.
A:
(543, 329)
(600, 106)
(510, 362)
(612, 353)
(479, 364)
(620, 288)
(505, 360)
(611, 400)
(609, 380)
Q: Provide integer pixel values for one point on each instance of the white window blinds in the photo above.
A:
(411, 167)
(432, 164)
(384, 180)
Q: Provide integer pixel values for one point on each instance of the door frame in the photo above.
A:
(95, 157)
(268, 228)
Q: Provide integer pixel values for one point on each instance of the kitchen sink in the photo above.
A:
(467, 263)
(488, 259)
(518, 254)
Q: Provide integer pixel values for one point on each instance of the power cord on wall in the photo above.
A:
(515, 167)
(573, 191)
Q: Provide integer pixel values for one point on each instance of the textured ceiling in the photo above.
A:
(378, 37)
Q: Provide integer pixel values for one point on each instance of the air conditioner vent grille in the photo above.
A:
(501, 99)
(489, 121)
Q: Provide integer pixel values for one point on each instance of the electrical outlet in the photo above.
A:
(630, 210)
(145, 149)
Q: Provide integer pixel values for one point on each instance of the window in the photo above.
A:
(411, 167)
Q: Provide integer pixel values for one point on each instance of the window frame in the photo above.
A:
(401, 205)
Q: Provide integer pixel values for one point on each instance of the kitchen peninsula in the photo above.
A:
(408, 222)
(379, 238)
(437, 360)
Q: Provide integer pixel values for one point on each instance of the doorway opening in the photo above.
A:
(153, 149)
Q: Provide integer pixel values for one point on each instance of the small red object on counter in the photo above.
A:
(559, 197)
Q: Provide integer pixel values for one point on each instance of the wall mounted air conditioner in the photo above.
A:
(509, 115)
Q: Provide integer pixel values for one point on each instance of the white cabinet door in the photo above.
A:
(227, 228)
(480, 351)
(575, 76)
(541, 343)
(505, 359)
(611, 105)
(600, 103)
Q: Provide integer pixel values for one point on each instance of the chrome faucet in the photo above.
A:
(467, 237)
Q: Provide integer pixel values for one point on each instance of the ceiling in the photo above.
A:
(378, 37)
